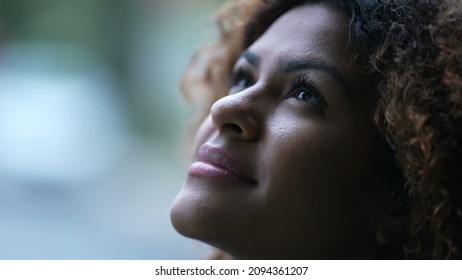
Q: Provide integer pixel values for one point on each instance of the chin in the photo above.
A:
(192, 217)
(181, 217)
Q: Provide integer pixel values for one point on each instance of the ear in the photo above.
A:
(391, 231)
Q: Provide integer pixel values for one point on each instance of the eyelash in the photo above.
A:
(238, 77)
(303, 89)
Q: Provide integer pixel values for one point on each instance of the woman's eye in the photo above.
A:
(240, 80)
(243, 82)
(305, 95)
(305, 91)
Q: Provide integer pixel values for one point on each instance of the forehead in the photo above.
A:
(316, 30)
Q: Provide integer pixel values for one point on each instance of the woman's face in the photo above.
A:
(280, 163)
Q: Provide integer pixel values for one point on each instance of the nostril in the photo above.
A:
(233, 127)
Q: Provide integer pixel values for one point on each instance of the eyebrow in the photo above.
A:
(252, 58)
(297, 65)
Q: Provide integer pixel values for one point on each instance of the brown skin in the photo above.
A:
(307, 156)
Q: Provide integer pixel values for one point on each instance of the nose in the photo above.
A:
(236, 116)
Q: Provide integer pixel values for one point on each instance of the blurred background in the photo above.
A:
(91, 121)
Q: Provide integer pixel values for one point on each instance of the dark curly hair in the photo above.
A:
(413, 50)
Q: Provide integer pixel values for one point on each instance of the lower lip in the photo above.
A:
(207, 170)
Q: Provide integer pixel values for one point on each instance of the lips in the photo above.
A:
(216, 163)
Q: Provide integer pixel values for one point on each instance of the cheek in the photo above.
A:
(311, 176)
(310, 161)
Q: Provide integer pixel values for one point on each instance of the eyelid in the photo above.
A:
(240, 72)
(240, 64)
(304, 81)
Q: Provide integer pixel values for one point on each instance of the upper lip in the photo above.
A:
(220, 158)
